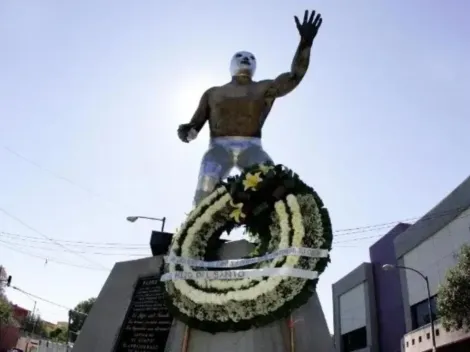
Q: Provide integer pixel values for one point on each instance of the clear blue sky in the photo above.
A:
(91, 93)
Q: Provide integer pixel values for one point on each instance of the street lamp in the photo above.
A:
(388, 267)
(135, 218)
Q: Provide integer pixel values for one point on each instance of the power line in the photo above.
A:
(82, 252)
(337, 244)
(140, 254)
(86, 248)
(100, 245)
(337, 233)
(119, 245)
(49, 238)
(33, 296)
(46, 259)
(362, 229)
(62, 178)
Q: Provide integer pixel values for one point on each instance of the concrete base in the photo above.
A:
(101, 328)
(310, 333)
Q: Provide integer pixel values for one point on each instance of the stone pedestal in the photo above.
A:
(101, 328)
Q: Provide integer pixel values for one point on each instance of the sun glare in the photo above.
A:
(188, 91)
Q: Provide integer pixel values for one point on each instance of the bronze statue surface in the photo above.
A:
(240, 107)
(237, 111)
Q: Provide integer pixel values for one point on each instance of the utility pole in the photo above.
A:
(68, 330)
(35, 320)
(430, 312)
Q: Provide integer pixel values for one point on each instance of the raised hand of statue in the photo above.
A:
(308, 29)
(186, 132)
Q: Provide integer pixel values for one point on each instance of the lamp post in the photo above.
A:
(387, 267)
(135, 218)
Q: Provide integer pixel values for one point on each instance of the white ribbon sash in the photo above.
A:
(234, 263)
(239, 274)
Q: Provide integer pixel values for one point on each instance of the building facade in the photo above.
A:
(11, 332)
(390, 316)
(396, 300)
(355, 314)
(367, 302)
(431, 246)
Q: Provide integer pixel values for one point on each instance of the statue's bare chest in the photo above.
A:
(247, 101)
(237, 110)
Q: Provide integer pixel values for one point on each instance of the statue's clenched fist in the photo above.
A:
(186, 132)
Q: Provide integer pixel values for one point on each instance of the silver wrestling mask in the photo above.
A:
(243, 63)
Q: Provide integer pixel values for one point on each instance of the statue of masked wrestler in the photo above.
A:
(237, 110)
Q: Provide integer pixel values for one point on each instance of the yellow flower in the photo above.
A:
(252, 180)
(265, 168)
(237, 212)
(236, 205)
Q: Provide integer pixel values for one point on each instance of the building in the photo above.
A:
(386, 311)
(431, 246)
(20, 313)
(368, 301)
(28, 344)
(11, 332)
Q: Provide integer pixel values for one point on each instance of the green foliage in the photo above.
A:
(33, 324)
(5, 310)
(453, 297)
(78, 316)
(58, 334)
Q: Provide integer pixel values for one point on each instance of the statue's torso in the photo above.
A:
(238, 110)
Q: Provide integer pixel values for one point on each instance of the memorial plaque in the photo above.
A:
(147, 322)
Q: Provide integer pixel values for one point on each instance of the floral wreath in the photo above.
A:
(279, 211)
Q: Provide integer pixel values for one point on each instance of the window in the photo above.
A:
(437, 332)
(354, 340)
(420, 313)
(420, 339)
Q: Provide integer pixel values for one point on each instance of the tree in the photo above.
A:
(33, 324)
(78, 316)
(5, 310)
(453, 297)
(58, 334)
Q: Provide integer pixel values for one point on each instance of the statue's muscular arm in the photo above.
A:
(286, 82)
(202, 113)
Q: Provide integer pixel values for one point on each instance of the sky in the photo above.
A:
(92, 92)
